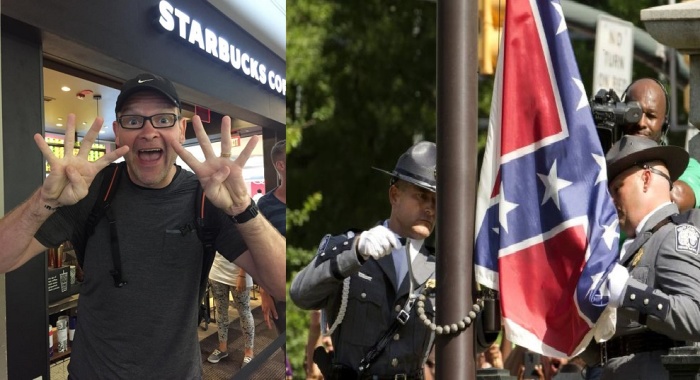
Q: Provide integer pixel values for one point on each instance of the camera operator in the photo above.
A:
(653, 124)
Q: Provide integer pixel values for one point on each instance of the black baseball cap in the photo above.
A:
(147, 81)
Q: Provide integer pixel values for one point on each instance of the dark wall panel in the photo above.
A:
(22, 104)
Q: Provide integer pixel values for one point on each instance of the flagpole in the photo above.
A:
(456, 176)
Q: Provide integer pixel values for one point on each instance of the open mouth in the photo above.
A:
(150, 155)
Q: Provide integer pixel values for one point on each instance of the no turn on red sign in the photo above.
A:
(614, 54)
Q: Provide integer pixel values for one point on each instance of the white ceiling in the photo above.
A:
(58, 103)
(265, 20)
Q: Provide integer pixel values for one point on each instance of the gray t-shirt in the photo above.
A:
(146, 329)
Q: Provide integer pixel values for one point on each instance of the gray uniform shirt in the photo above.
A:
(146, 329)
(667, 275)
(373, 304)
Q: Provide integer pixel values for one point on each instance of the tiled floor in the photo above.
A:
(59, 370)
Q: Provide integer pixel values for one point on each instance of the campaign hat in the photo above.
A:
(417, 166)
(147, 81)
(632, 151)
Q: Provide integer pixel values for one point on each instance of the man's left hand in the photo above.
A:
(221, 177)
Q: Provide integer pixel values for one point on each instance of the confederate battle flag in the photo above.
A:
(546, 228)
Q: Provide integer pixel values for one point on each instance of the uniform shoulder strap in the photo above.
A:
(691, 216)
(110, 181)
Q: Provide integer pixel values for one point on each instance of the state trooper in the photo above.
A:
(656, 286)
(378, 304)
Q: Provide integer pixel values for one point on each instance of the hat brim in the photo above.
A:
(409, 179)
(675, 158)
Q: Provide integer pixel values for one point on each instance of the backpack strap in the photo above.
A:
(116, 272)
(110, 181)
(207, 231)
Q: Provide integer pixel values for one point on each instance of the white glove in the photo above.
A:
(377, 243)
(617, 283)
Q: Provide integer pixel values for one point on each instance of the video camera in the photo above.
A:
(610, 115)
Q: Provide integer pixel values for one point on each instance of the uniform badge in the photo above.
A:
(687, 239)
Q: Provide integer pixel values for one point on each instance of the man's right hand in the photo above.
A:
(71, 176)
(377, 243)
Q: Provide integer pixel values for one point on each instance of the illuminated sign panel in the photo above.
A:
(175, 20)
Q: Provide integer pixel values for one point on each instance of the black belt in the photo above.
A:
(418, 375)
(346, 373)
(635, 343)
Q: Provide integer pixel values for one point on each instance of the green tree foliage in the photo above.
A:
(361, 87)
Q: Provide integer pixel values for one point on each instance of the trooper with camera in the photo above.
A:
(656, 285)
(376, 287)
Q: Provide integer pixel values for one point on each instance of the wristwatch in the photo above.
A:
(249, 213)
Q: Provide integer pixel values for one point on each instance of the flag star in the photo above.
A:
(504, 207)
(582, 101)
(610, 233)
(603, 172)
(552, 185)
(562, 23)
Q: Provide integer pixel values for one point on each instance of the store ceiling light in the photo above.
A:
(65, 88)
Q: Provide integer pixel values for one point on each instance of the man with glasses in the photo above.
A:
(657, 283)
(145, 327)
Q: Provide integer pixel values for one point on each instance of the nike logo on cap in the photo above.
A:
(144, 80)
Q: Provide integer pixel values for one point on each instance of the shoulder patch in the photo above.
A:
(332, 246)
(687, 239)
(324, 243)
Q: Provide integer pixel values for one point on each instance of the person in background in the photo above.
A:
(546, 369)
(315, 339)
(150, 289)
(257, 196)
(273, 205)
(653, 99)
(224, 278)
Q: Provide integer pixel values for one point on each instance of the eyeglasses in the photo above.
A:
(161, 120)
(658, 172)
